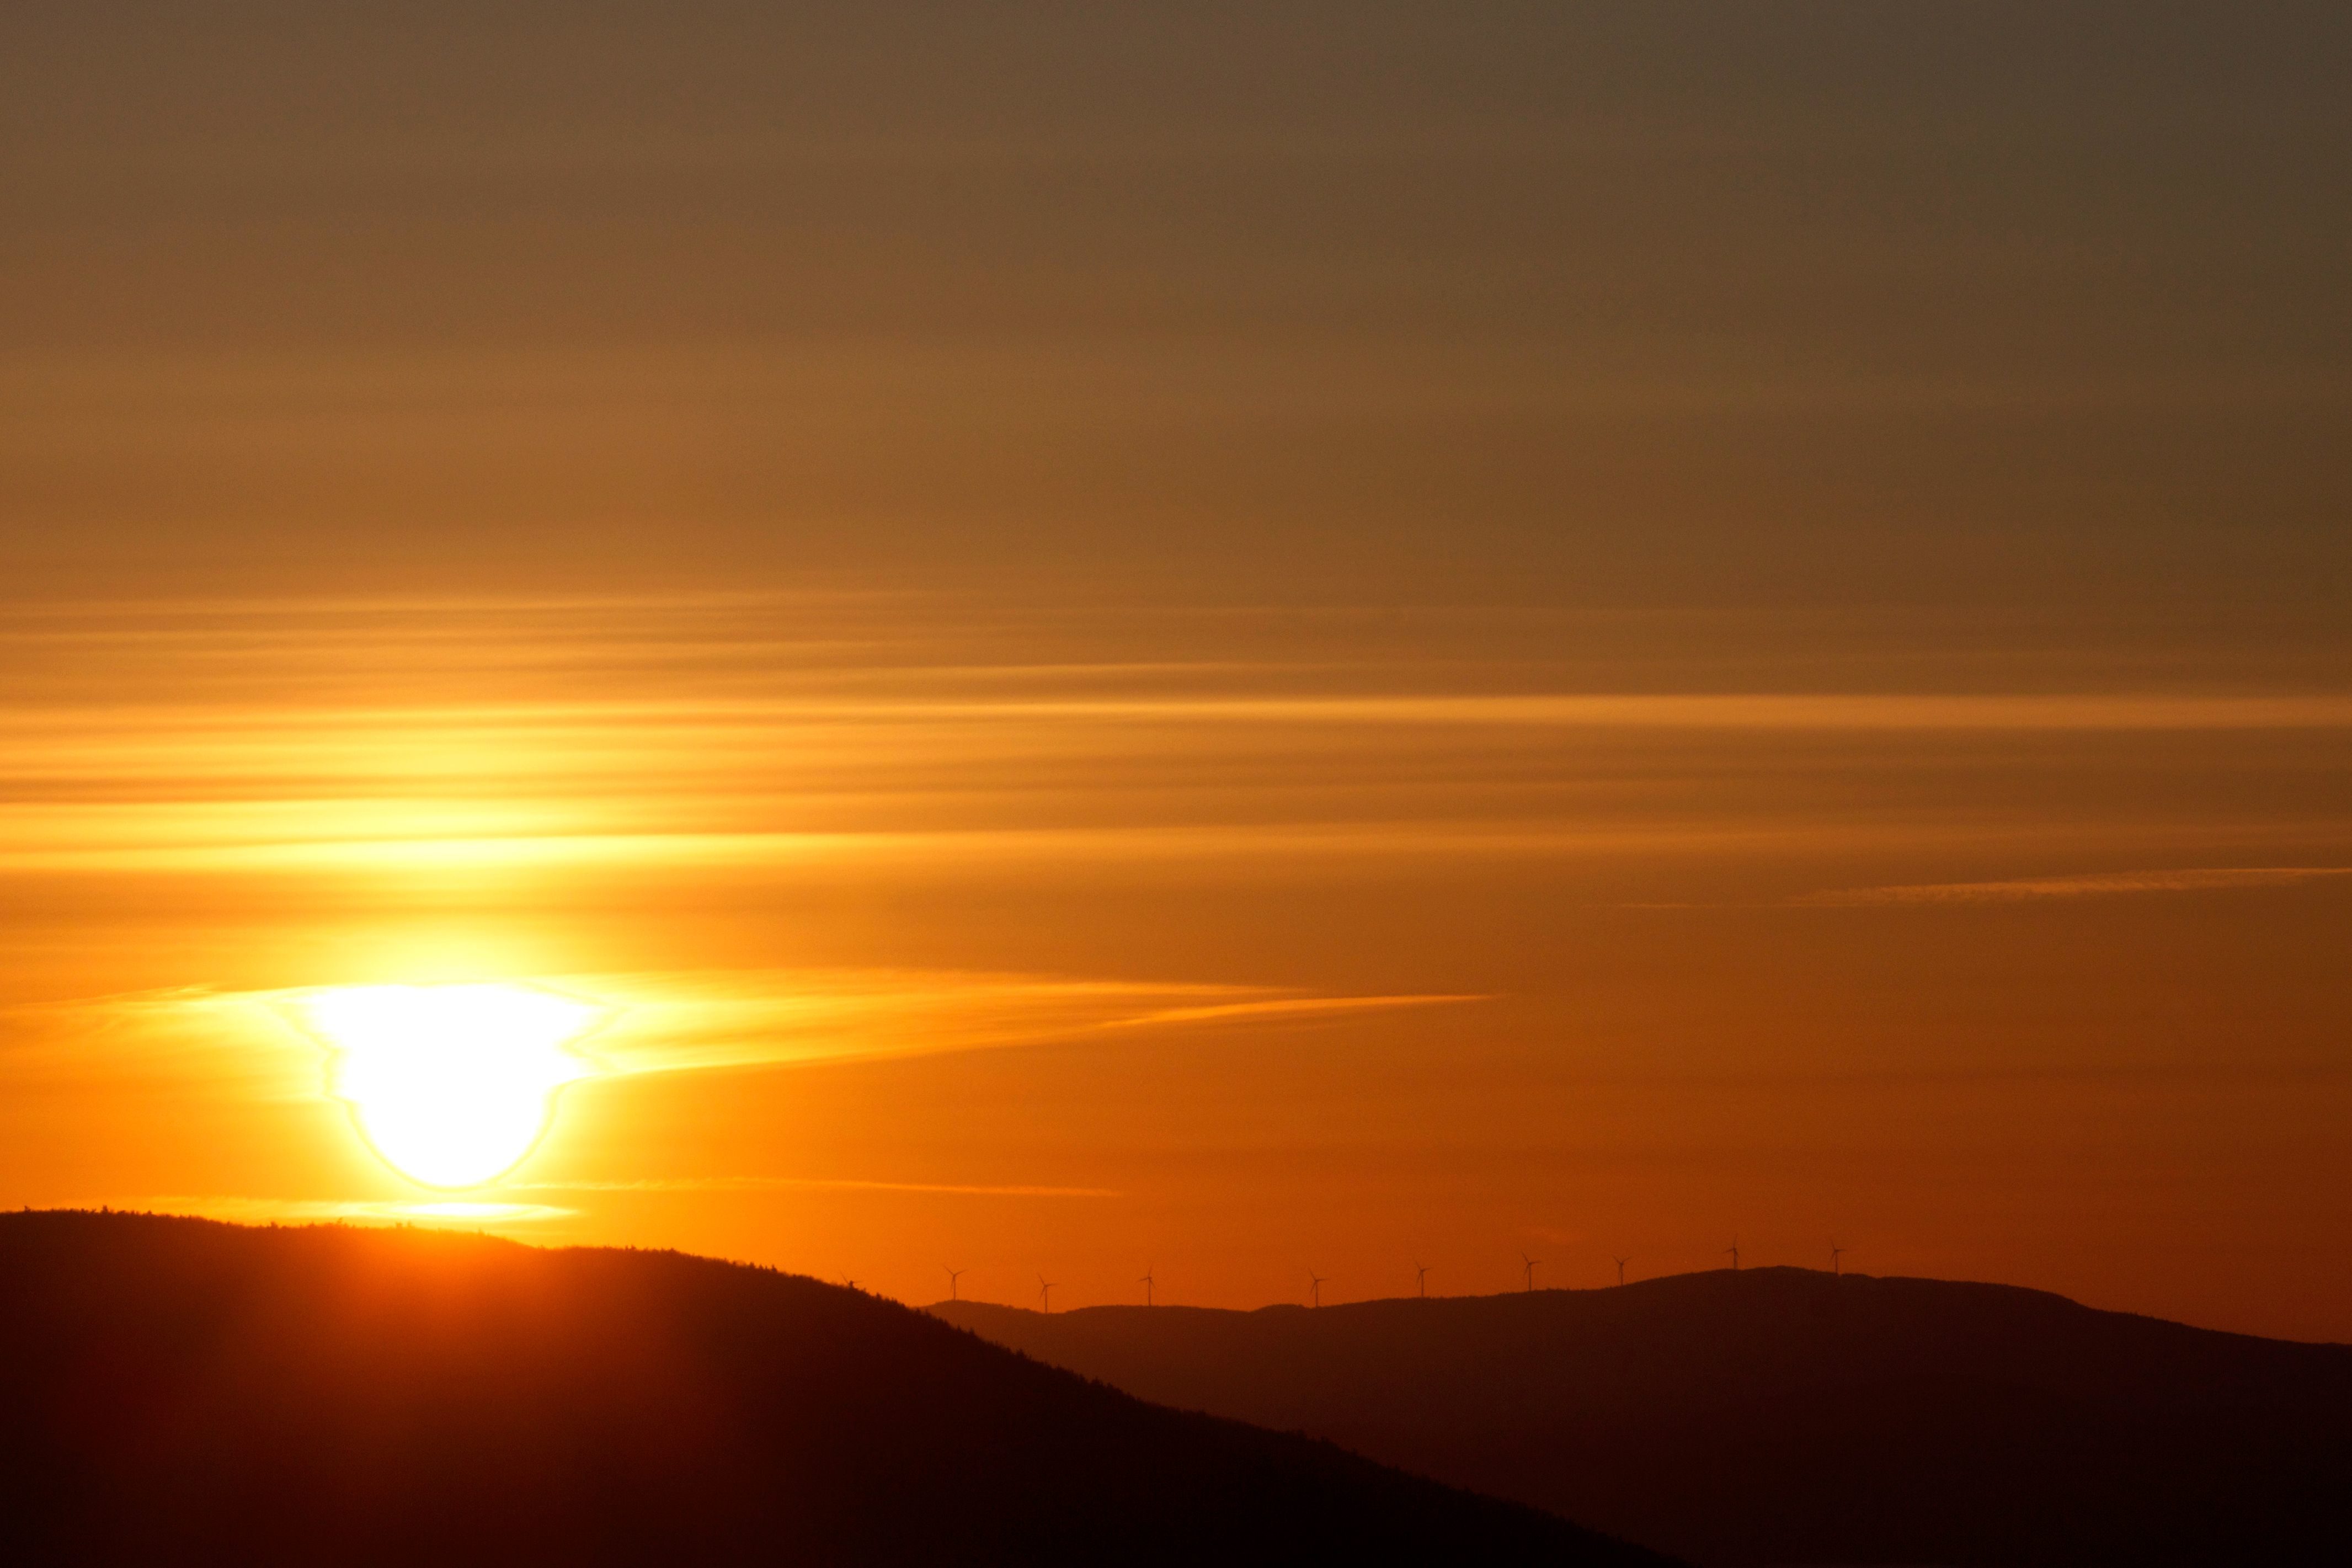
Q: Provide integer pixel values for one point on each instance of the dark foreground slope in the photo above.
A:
(1783, 1416)
(175, 1390)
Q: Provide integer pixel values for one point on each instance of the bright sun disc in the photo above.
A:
(451, 1085)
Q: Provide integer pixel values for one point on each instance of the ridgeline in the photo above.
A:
(1785, 1415)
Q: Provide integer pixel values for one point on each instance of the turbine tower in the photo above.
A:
(1147, 1283)
(1046, 1293)
(954, 1274)
(1421, 1278)
(1314, 1289)
(1620, 1263)
(1734, 1250)
(1836, 1252)
(1530, 1264)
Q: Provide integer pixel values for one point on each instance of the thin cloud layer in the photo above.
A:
(380, 743)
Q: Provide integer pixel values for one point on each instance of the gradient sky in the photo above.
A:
(1233, 640)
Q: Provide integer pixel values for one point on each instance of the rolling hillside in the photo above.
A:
(1785, 1416)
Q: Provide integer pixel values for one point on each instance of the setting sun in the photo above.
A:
(450, 1085)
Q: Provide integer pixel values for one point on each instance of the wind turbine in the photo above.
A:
(1836, 1252)
(1530, 1263)
(1314, 1289)
(1046, 1293)
(1734, 1250)
(954, 1274)
(1421, 1278)
(1620, 1267)
(1146, 1282)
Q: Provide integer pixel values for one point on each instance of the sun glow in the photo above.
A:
(450, 1085)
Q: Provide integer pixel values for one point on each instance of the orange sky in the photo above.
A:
(1311, 639)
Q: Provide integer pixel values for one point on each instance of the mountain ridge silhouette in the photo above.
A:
(185, 1391)
(1784, 1415)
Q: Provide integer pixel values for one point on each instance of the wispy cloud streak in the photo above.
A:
(2087, 884)
(669, 1023)
(813, 1183)
(242, 1210)
(681, 1021)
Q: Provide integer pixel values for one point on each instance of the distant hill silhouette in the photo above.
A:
(176, 1391)
(1785, 1416)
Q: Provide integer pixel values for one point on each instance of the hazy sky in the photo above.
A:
(1237, 639)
